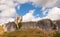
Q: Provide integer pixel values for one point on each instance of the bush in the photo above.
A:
(57, 34)
(19, 25)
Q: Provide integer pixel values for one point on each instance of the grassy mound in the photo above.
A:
(29, 33)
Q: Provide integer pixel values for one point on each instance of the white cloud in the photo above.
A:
(29, 16)
(18, 7)
(6, 20)
(54, 13)
(22, 1)
(7, 10)
(44, 3)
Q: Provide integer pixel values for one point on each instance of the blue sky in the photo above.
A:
(29, 9)
(24, 8)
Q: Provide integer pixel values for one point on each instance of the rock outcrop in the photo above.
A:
(28, 25)
(45, 24)
(11, 26)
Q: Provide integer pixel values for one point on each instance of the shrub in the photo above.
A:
(19, 25)
(57, 34)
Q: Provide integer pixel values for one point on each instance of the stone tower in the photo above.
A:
(17, 19)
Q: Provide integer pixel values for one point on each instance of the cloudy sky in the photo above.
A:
(30, 10)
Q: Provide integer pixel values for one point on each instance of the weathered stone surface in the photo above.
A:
(27, 25)
(45, 24)
(57, 23)
(11, 26)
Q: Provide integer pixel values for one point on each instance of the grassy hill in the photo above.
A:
(29, 33)
(1, 30)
